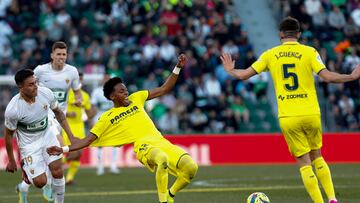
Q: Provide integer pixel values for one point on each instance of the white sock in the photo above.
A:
(59, 189)
(113, 165)
(48, 176)
(24, 187)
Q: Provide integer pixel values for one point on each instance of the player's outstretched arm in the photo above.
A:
(171, 80)
(61, 118)
(229, 66)
(334, 77)
(11, 166)
(80, 144)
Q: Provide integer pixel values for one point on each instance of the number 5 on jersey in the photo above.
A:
(287, 68)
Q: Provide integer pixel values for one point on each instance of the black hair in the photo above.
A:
(109, 86)
(22, 75)
(290, 26)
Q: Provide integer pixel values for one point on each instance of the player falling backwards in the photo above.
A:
(292, 66)
(128, 123)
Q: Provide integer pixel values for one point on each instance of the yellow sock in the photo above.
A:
(311, 184)
(73, 169)
(324, 175)
(187, 171)
(162, 172)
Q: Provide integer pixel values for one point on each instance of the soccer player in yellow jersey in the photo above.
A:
(292, 66)
(75, 117)
(128, 123)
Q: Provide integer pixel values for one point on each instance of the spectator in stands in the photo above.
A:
(241, 112)
(198, 120)
(229, 119)
(336, 19)
(312, 6)
(169, 122)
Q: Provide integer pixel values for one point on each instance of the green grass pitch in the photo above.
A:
(216, 184)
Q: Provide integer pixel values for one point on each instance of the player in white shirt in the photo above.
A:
(60, 77)
(27, 117)
(99, 101)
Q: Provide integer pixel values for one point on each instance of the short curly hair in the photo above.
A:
(109, 86)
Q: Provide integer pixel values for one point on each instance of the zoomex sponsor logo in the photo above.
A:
(292, 96)
(122, 115)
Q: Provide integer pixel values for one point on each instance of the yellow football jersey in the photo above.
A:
(86, 105)
(76, 123)
(292, 66)
(125, 125)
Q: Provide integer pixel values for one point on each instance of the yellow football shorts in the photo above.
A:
(302, 133)
(78, 129)
(145, 145)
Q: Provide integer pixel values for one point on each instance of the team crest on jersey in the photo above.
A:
(45, 106)
(32, 171)
(319, 59)
(67, 81)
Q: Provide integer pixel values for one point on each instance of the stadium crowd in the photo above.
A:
(139, 41)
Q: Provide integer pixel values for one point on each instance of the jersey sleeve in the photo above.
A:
(10, 118)
(316, 63)
(100, 126)
(52, 99)
(260, 65)
(76, 85)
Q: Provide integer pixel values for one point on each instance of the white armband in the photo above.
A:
(65, 149)
(176, 70)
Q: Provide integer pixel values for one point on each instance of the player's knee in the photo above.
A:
(191, 170)
(57, 172)
(40, 181)
(162, 160)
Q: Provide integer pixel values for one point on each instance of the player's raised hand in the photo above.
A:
(227, 62)
(356, 72)
(54, 150)
(11, 167)
(181, 61)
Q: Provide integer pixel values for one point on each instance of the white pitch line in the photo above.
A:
(190, 190)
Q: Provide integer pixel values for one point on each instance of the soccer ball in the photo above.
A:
(258, 197)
